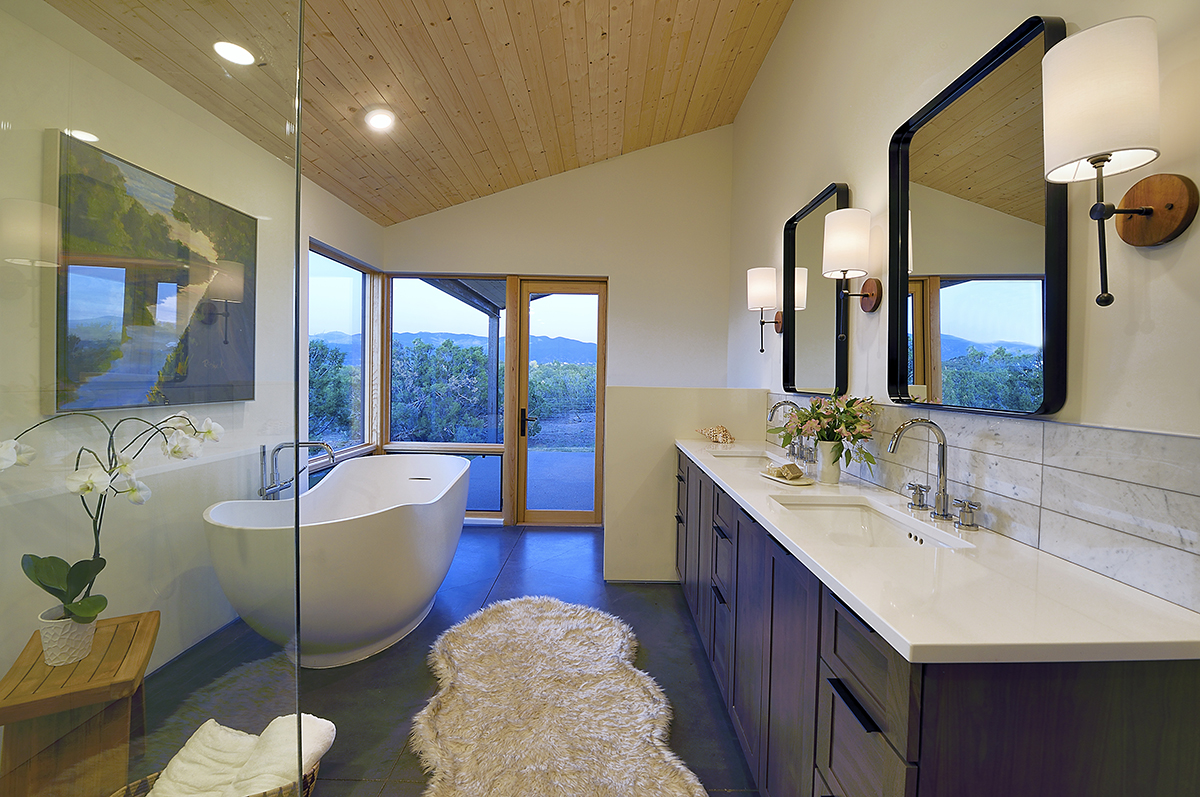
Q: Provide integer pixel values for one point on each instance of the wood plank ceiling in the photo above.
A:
(488, 94)
(986, 146)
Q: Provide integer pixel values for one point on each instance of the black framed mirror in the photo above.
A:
(977, 240)
(815, 356)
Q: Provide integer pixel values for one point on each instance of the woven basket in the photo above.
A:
(140, 788)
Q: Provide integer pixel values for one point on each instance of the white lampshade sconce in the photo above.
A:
(226, 286)
(846, 256)
(761, 296)
(1101, 114)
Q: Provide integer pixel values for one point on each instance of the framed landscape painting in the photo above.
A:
(155, 289)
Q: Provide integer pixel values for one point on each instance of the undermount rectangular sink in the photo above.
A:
(747, 457)
(861, 525)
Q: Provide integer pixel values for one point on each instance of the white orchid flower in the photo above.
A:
(124, 467)
(25, 454)
(210, 430)
(181, 445)
(137, 492)
(90, 480)
(8, 454)
(178, 420)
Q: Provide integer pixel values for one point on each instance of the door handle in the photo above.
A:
(525, 419)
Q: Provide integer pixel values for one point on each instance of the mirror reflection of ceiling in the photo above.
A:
(986, 146)
(486, 97)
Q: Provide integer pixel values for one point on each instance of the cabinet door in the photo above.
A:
(791, 704)
(751, 608)
(691, 576)
(681, 519)
(704, 594)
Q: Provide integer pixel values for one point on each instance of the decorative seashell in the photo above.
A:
(718, 434)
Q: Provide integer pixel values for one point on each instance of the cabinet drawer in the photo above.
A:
(722, 638)
(887, 685)
(723, 558)
(853, 757)
(726, 509)
(681, 493)
(681, 461)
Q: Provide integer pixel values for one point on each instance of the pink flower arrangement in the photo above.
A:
(843, 420)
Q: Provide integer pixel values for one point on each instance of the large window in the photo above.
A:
(335, 351)
(447, 367)
(447, 360)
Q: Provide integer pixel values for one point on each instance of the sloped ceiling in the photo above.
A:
(488, 94)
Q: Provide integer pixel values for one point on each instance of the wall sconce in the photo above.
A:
(760, 296)
(227, 285)
(1100, 112)
(845, 255)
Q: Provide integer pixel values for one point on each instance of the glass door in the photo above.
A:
(560, 402)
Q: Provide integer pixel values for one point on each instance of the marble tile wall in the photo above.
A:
(1122, 503)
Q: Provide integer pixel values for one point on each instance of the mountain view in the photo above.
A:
(541, 349)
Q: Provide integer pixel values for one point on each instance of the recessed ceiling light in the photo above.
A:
(380, 119)
(233, 52)
(82, 135)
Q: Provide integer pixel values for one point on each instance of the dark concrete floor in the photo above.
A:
(372, 702)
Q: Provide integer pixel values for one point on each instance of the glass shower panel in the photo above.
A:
(147, 261)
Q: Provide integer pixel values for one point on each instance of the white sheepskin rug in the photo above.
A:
(540, 698)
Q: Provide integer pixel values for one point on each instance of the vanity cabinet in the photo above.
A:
(889, 728)
(823, 706)
(764, 621)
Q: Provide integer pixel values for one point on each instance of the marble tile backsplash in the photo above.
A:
(1122, 503)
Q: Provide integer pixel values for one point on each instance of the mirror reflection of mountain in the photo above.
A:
(541, 349)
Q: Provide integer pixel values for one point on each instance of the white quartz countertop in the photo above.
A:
(999, 601)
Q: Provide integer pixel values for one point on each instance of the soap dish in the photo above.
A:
(799, 481)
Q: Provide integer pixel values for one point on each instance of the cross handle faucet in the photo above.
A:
(941, 500)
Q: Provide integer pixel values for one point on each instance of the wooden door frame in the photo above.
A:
(514, 477)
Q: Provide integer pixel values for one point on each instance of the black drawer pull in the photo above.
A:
(860, 713)
(679, 478)
(678, 518)
(720, 532)
(720, 597)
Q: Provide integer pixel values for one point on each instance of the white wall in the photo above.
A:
(955, 236)
(841, 77)
(55, 74)
(655, 222)
(640, 466)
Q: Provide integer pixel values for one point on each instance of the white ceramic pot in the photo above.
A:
(64, 641)
(829, 467)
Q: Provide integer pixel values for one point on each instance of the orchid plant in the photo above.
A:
(97, 476)
(842, 420)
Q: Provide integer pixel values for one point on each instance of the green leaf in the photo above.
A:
(82, 574)
(49, 573)
(85, 611)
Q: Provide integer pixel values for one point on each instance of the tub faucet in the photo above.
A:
(272, 490)
(793, 449)
(941, 500)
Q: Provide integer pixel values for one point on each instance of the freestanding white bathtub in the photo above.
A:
(377, 536)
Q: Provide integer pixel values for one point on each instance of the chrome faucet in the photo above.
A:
(272, 490)
(941, 500)
(793, 449)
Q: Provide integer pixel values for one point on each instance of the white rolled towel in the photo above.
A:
(206, 764)
(272, 762)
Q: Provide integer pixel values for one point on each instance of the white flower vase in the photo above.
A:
(64, 641)
(829, 467)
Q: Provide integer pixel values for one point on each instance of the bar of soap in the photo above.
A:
(790, 471)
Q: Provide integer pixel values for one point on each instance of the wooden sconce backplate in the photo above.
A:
(1173, 198)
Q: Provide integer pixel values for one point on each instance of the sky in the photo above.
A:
(989, 311)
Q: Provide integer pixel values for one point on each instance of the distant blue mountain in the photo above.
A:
(542, 349)
(957, 347)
